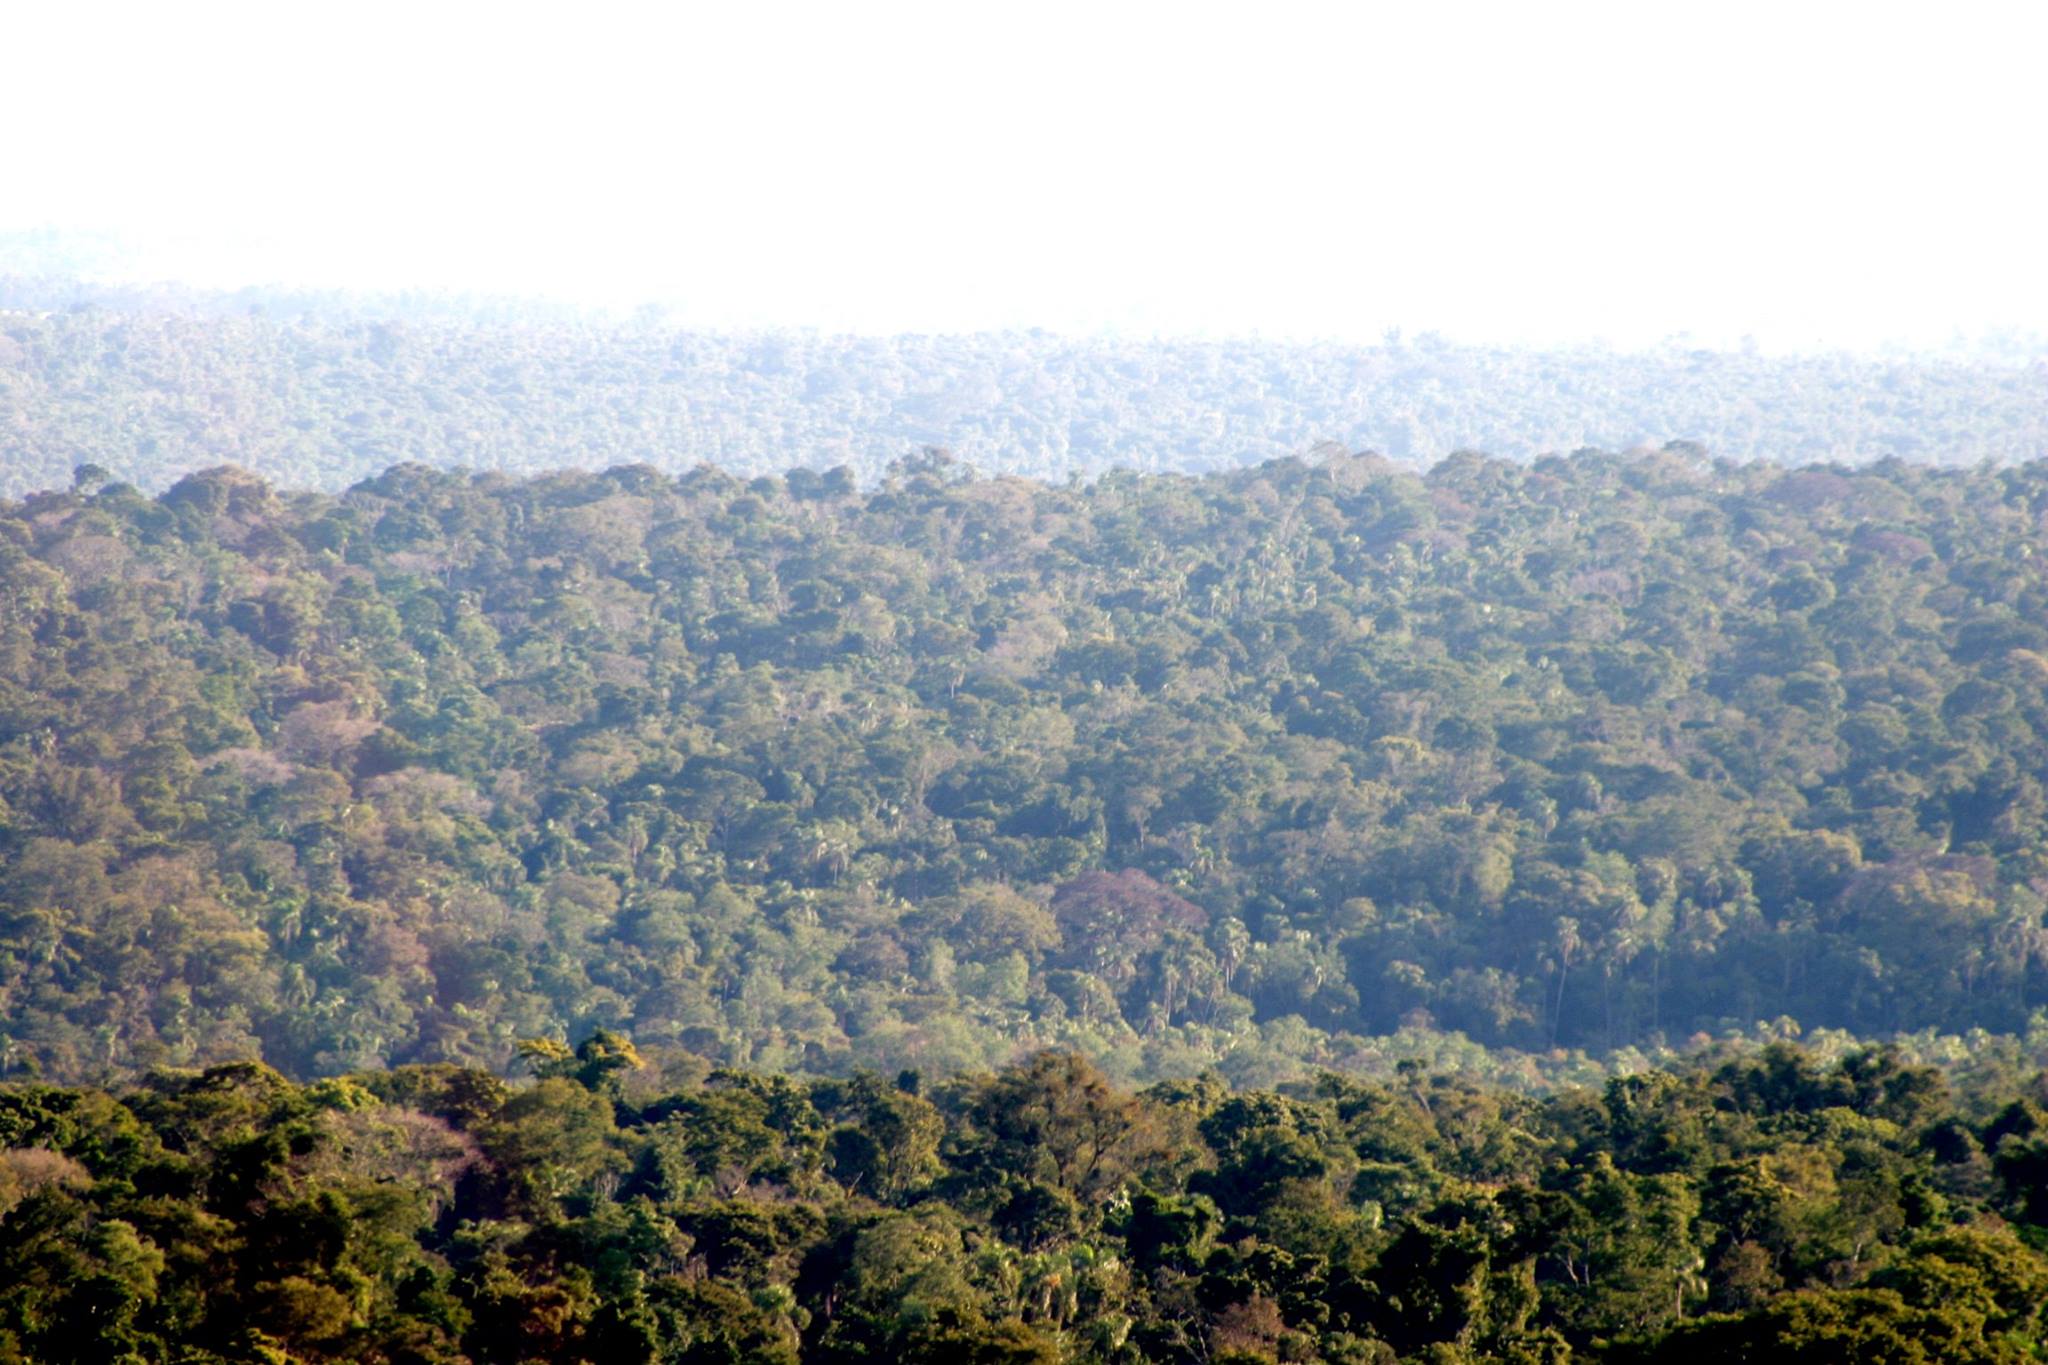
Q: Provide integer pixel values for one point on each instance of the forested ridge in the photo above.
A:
(319, 393)
(1318, 764)
(1748, 1208)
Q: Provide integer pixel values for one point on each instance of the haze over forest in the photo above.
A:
(1044, 685)
(323, 390)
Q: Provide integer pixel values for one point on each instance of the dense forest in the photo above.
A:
(1320, 764)
(320, 393)
(1752, 1208)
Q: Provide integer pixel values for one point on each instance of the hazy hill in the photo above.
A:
(320, 392)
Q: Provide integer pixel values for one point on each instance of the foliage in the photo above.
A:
(1768, 1207)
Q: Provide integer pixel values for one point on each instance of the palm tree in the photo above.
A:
(1566, 944)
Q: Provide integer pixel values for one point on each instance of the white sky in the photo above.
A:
(1813, 174)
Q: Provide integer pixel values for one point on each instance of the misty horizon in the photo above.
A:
(1826, 180)
(48, 262)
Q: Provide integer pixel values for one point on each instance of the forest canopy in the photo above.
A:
(1316, 764)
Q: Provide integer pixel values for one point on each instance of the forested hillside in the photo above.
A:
(321, 393)
(1311, 764)
(1757, 1209)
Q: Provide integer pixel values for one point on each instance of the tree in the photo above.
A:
(1056, 1119)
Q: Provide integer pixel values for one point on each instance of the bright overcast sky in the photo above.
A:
(1810, 174)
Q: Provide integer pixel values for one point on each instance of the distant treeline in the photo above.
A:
(1757, 1208)
(320, 392)
(1313, 764)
